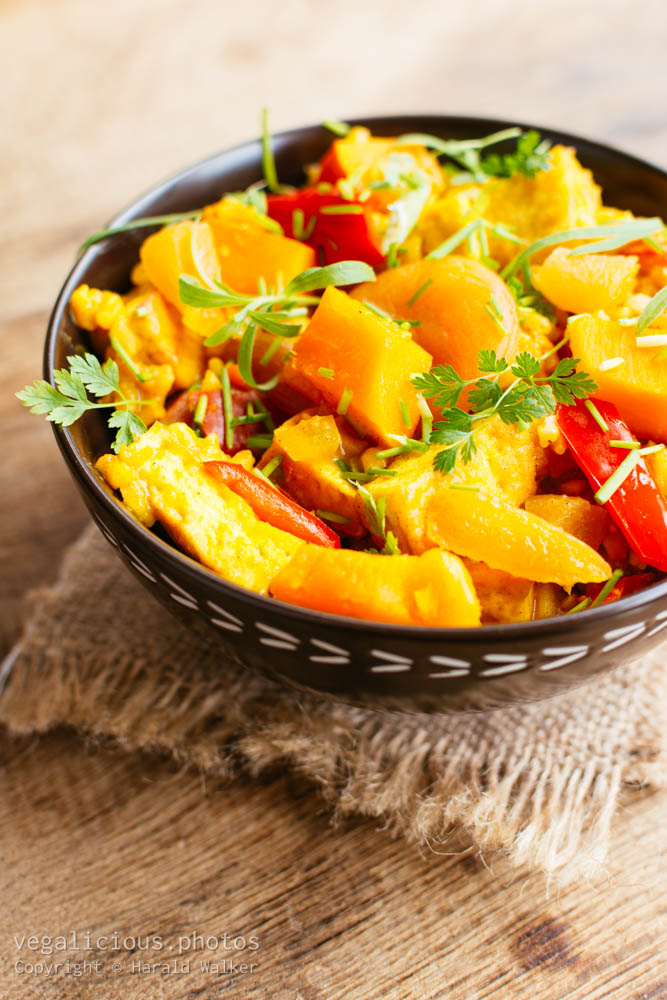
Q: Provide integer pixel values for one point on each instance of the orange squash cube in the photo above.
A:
(432, 589)
(636, 387)
(360, 363)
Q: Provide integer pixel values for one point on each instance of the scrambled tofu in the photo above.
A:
(161, 479)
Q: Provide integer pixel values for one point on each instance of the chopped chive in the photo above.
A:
(376, 309)
(455, 240)
(381, 472)
(596, 415)
(608, 587)
(270, 351)
(628, 445)
(610, 363)
(392, 255)
(462, 486)
(126, 359)
(494, 316)
(200, 410)
(651, 449)
(259, 442)
(420, 291)
(330, 515)
(271, 466)
(345, 400)
(342, 210)
(580, 606)
(324, 187)
(405, 415)
(427, 417)
(401, 449)
(152, 220)
(325, 372)
(618, 477)
(652, 310)
(299, 230)
(251, 418)
(652, 340)
(338, 128)
(227, 408)
(268, 162)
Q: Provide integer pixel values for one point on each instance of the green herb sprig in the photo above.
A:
(530, 155)
(270, 310)
(68, 400)
(528, 397)
(376, 515)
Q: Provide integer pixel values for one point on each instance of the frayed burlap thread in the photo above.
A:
(540, 783)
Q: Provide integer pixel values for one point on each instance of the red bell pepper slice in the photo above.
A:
(344, 235)
(637, 506)
(273, 506)
(183, 406)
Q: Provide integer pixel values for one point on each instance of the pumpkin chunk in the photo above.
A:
(360, 364)
(637, 387)
(433, 589)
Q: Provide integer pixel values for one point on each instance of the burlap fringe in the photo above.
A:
(540, 783)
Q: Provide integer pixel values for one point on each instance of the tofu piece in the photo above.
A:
(561, 198)
(160, 479)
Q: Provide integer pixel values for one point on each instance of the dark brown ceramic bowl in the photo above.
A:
(423, 669)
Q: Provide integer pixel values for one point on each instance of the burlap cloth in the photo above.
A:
(540, 783)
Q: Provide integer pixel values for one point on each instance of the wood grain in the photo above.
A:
(100, 101)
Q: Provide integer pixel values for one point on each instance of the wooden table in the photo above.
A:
(100, 101)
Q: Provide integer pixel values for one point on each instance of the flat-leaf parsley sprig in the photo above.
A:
(68, 400)
(529, 396)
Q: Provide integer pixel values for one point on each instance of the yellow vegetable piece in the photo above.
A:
(372, 361)
(657, 464)
(184, 248)
(93, 308)
(563, 197)
(586, 283)
(502, 597)
(160, 478)
(489, 529)
(308, 445)
(573, 514)
(433, 589)
(637, 387)
(248, 251)
(461, 307)
(507, 461)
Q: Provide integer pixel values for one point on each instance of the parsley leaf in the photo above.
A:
(530, 157)
(68, 400)
(530, 396)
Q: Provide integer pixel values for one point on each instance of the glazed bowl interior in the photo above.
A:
(398, 667)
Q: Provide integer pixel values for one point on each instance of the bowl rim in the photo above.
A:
(88, 478)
